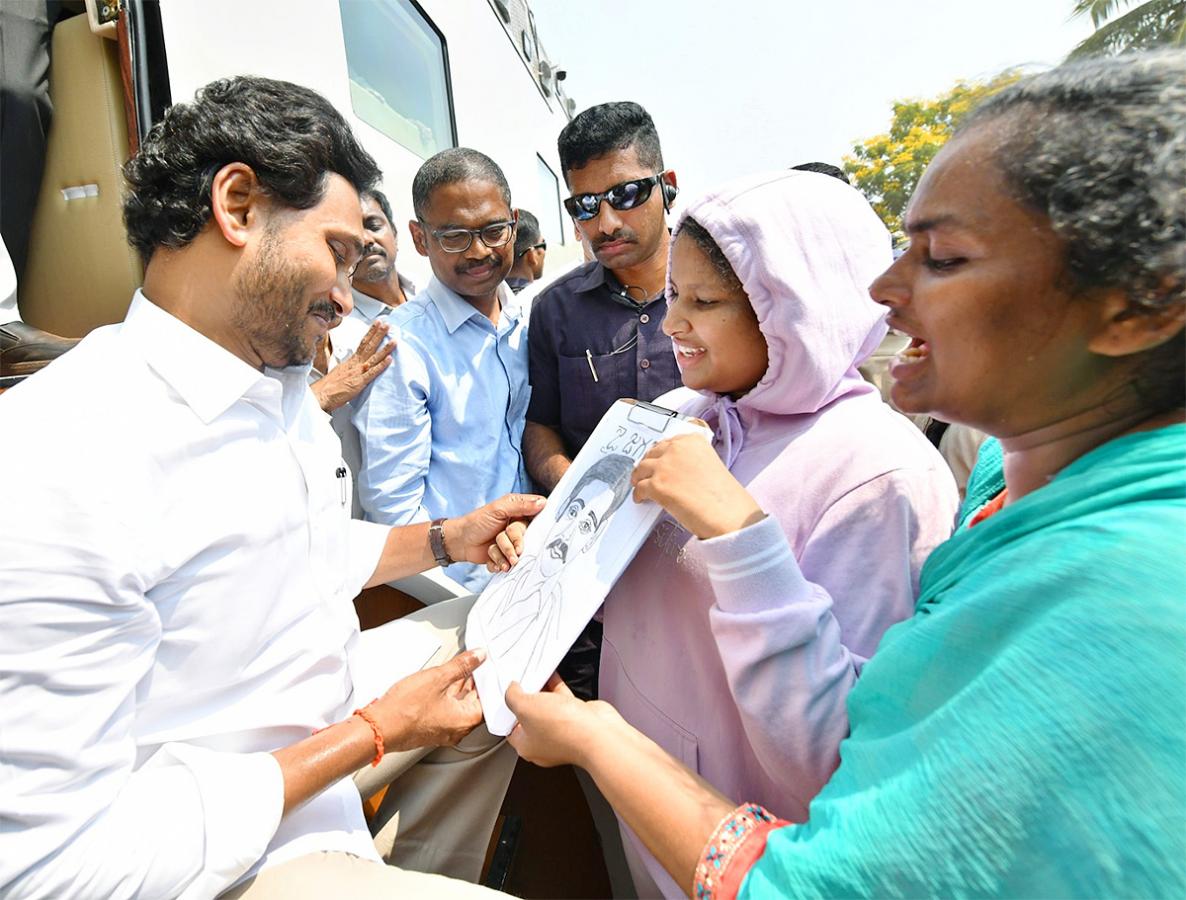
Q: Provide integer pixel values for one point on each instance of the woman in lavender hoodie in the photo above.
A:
(769, 315)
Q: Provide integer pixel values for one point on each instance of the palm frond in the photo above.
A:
(1099, 10)
(1155, 23)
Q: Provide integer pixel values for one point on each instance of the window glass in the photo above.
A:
(551, 217)
(398, 73)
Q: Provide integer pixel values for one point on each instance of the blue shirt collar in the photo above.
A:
(455, 311)
(368, 307)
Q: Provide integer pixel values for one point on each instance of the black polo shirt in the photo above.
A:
(589, 344)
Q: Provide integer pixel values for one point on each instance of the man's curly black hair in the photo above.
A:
(289, 135)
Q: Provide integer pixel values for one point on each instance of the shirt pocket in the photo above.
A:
(584, 398)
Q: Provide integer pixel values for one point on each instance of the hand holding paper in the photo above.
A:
(567, 559)
(434, 707)
(555, 728)
(685, 476)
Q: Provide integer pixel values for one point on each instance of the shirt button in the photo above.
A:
(646, 363)
(644, 318)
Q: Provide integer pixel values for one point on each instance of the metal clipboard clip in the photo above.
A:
(654, 418)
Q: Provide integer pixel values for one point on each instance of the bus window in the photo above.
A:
(551, 217)
(399, 73)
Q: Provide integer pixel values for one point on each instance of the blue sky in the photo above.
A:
(744, 85)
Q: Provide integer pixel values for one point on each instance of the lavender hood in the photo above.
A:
(806, 247)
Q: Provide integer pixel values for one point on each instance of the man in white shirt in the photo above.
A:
(180, 657)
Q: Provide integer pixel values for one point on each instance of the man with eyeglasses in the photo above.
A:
(530, 251)
(443, 425)
(596, 333)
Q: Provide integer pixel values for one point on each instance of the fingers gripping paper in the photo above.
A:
(573, 552)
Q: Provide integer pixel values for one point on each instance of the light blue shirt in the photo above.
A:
(442, 428)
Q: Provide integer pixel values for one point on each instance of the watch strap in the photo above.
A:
(436, 543)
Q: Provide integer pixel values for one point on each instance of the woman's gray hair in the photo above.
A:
(1099, 147)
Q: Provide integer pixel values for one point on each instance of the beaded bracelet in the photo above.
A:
(370, 720)
(729, 835)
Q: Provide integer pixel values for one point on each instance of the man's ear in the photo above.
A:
(419, 238)
(235, 199)
(1125, 332)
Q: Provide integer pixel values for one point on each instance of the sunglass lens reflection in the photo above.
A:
(628, 195)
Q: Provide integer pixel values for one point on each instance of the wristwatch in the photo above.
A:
(436, 543)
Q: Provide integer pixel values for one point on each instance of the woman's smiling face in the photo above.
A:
(713, 329)
(999, 341)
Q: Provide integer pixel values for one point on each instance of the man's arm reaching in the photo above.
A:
(543, 451)
(432, 708)
(468, 538)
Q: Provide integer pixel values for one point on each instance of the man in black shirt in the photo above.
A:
(596, 333)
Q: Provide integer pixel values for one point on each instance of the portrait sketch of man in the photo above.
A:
(525, 613)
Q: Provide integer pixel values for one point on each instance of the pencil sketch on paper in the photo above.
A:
(525, 610)
(573, 552)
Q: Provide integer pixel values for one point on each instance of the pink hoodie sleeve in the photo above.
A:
(793, 634)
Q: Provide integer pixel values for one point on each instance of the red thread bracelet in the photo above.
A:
(370, 720)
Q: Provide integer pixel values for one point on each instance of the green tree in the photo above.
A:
(1155, 23)
(887, 167)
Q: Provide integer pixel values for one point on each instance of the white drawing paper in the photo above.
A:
(386, 654)
(573, 552)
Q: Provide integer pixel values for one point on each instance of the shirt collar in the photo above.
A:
(208, 377)
(598, 277)
(593, 278)
(456, 312)
(368, 307)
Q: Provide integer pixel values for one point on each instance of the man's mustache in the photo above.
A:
(492, 260)
(558, 549)
(373, 250)
(327, 309)
(622, 234)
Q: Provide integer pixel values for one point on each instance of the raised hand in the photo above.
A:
(347, 379)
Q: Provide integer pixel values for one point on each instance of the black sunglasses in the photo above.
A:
(626, 195)
(542, 245)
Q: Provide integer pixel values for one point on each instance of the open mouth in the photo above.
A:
(685, 353)
(918, 351)
(558, 550)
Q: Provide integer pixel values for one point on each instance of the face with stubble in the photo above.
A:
(296, 285)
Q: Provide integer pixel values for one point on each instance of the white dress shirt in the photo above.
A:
(177, 564)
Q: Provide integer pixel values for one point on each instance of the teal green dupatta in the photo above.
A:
(1024, 734)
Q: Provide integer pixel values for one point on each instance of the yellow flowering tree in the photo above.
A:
(886, 167)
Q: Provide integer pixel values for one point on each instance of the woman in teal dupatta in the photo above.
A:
(1024, 733)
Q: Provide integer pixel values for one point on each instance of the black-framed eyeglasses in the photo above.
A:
(458, 240)
(542, 245)
(626, 195)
